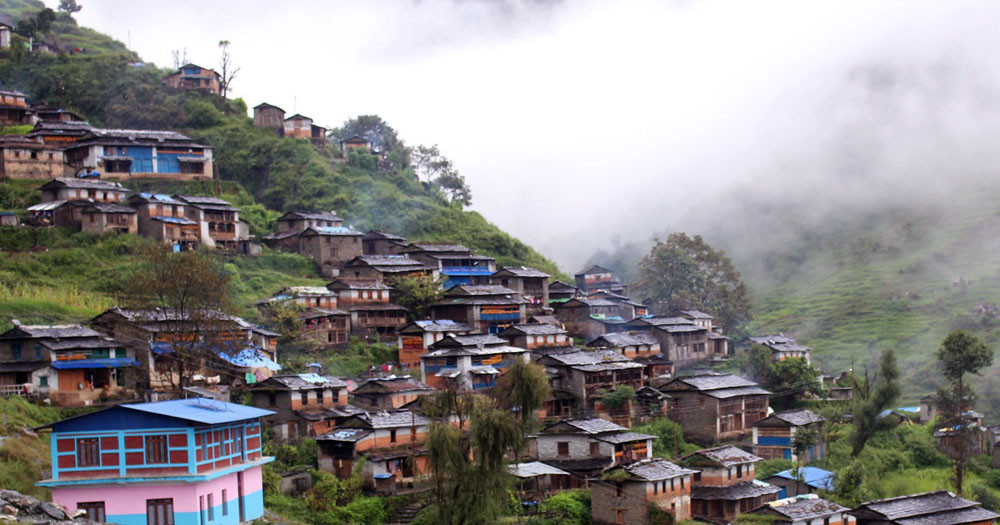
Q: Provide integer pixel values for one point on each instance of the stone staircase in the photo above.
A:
(406, 514)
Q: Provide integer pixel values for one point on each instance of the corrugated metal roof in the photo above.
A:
(534, 469)
(116, 362)
(201, 410)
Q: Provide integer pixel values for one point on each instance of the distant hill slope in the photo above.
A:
(66, 34)
(280, 173)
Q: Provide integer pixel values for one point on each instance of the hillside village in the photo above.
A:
(176, 415)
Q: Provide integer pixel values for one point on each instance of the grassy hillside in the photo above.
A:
(899, 279)
(66, 34)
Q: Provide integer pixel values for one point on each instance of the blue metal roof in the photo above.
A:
(335, 230)
(116, 362)
(814, 477)
(315, 364)
(250, 358)
(201, 410)
(174, 220)
(459, 272)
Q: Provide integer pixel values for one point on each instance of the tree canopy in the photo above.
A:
(684, 272)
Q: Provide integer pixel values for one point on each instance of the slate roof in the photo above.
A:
(436, 247)
(392, 384)
(379, 234)
(439, 325)
(593, 425)
(345, 434)
(69, 182)
(534, 469)
(695, 314)
(587, 357)
(749, 489)
(803, 509)
(625, 437)
(582, 301)
(348, 284)
(532, 329)
(656, 469)
(929, 508)
(560, 285)
(479, 290)
(108, 207)
(470, 340)
(396, 419)
(717, 385)
(521, 271)
(211, 203)
(307, 291)
(779, 343)
(49, 331)
(405, 262)
(311, 215)
(726, 455)
(620, 339)
(302, 382)
(606, 367)
(156, 197)
(800, 417)
(594, 269)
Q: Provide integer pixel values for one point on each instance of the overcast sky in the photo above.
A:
(575, 121)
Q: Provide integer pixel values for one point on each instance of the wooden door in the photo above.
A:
(160, 512)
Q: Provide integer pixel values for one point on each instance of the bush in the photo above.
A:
(571, 507)
(770, 467)
(667, 432)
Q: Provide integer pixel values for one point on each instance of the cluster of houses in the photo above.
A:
(198, 460)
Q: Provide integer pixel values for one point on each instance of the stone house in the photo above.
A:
(299, 127)
(326, 326)
(389, 393)
(329, 246)
(560, 292)
(939, 506)
(103, 217)
(682, 340)
(456, 263)
(318, 135)
(378, 242)
(391, 443)
(588, 446)
(641, 347)
(537, 480)
(269, 116)
(597, 278)
(468, 362)
(355, 142)
(579, 378)
(536, 336)
(416, 338)
(218, 221)
(805, 511)
(46, 113)
(210, 342)
(24, 158)
(70, 365)
(782, 347)
(531, 284)
(59, 134)
(715, 407)
(194, 77)
(129, 154)
(63, 200)
(490, 308)
(774, 436)
(293, 223)
(385, 268)
(589, 318)
(300, 403)
(369, 306)
(643, 484)
(164, 218)
(725, 487)
(14, 110)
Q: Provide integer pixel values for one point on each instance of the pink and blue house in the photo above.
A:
(181, 462)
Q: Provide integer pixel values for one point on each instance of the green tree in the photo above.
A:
(619, 398)
(416, 294)
(383, 137)
(69, 6)
(873, 394)
(684, 272)
(523, 388)
(960, 353)
(759, 363)
(453, 185)
(790, 377)
(38, 25)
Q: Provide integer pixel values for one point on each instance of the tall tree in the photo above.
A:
(429, 163)
(189, 290)
(416, 294)
(684, 272)
(523, 388)
(453, 185)
(38, 25)
(873, 393)
(790, 377)
(229, 70)
(960, 353)
(383, 137)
